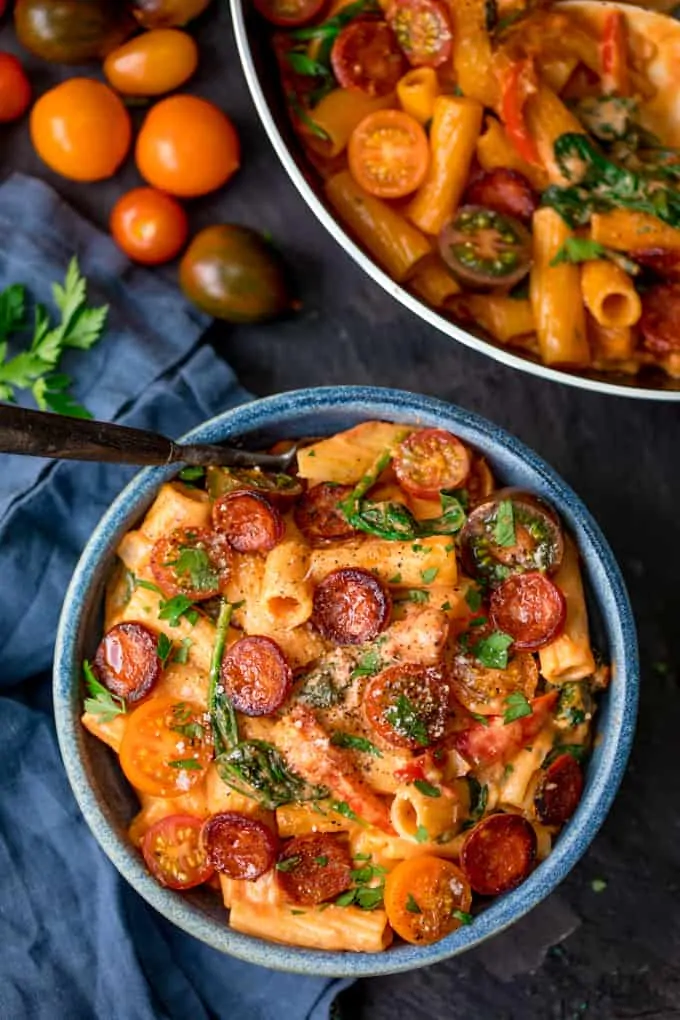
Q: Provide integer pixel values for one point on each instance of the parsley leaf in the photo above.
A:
(341, 807)
(175, 608)
(148, 585)
(322, 861)
(346, 899)
(479, 796)
(405, 720)
(414, 595)
(508, 770)
(427, 789)
(164, 649)
(598, 885)
(395, 580)
(194, 563)
(340, 739)
(412, 905)
(429, 575)
(422, 835)
(190, 764)
(288, 863)
(482, 719)
(101, 701)
(473, 598)
(368, 665)
(504, 528)
(492, 651)
(517, 706)
(182, 653)
(578, 249)
(462, 916)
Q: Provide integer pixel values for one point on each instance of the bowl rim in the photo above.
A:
(616, 740)
(419, 308)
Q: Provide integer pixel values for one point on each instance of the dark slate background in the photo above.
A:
(582, 954)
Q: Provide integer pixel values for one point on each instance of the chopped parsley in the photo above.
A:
(354, 743)
(492, 651)
(577, 751)
(164, 649)
(405, 720)
(368, 890)
(298, 911)
(149, 585)
(341, 807)
(190, 764)
(462, 916)
(177, 607)
(395, 580)
(504, 528)
(473, 597)
(429, 575)
(194, 563)
(446, 605)
(598, 885)
(412, 905)
(422, 835)
(346, 899)
(182, 653)
(479, 796)
(579, 249)
(321, 861)
(427, 789)
(415, 595)
(368, 665)
(288, 863)
(184, 723)
(516, 707)
(575, 716)
(508, 770)
(101, 701)
(482, 719)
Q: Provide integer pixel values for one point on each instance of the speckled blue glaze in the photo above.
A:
(107, 802)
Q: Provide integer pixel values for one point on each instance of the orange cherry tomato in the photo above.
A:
(431, 460)
(15, 89)
(389, 154)
(187, 147)
(150, 226)
(174, 853)
(81, 130)
(166, 747)
(426, 898)
(152, 63)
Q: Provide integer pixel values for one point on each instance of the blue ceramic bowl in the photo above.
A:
(108, 803)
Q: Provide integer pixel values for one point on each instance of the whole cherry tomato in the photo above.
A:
(165, 13)
(15, 88)
(81, 130)
(153, 63)
(187, 147)
(149, 226)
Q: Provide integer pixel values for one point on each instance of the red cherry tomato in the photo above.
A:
(289, 13)
(15, 88)
(191, 561)
(559, 790)
(248, 521)
(314, 868)
(388, 154)
(173, 852)
(530, 608)
(238, 846)
(506, 191)
(351, 606)
(431, 460)
(256, 676)
(150, 226)
(498, 853)
(423, 30)
(318, 516)
(407, 705)
(496, 740)
(366, 57)
(660, 319)
(127, 662)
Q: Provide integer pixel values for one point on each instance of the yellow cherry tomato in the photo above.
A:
(81, 130)
(153, 63)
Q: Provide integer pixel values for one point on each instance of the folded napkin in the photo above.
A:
(77, 941)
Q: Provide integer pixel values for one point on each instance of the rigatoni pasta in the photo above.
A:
(333, 698)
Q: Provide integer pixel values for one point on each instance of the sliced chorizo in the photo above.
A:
(351, 606)
(256, 676)
(530, 608)
(248, 520)
(314, 868)
(238, 846)
(559, 790)
(498, 853)
(660, 319)
(506, 191)
(318, 515)
(127, 661)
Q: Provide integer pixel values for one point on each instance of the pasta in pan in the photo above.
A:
(491, 153)
(355, 699)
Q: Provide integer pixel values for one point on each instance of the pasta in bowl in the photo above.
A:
(518, 183)
(336, 705)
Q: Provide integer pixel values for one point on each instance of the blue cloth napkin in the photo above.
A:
(77, 941)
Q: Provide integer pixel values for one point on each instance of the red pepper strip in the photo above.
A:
(517, 83)
(613, 53)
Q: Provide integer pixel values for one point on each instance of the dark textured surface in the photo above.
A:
(620, 951)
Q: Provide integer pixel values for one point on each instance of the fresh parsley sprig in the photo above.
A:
(102, 702)
(79, 327)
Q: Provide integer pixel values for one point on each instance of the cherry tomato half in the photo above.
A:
(289, 13)
(530, 608)
(423, 30)
(150, 226)
(173, 852)
(366, 57)
(388, 154)
(425, 898)
(166, 747)
(431, 460)
(15, 89)
(407, 705)
(483, 689)
(191, 561)
(483, 248)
